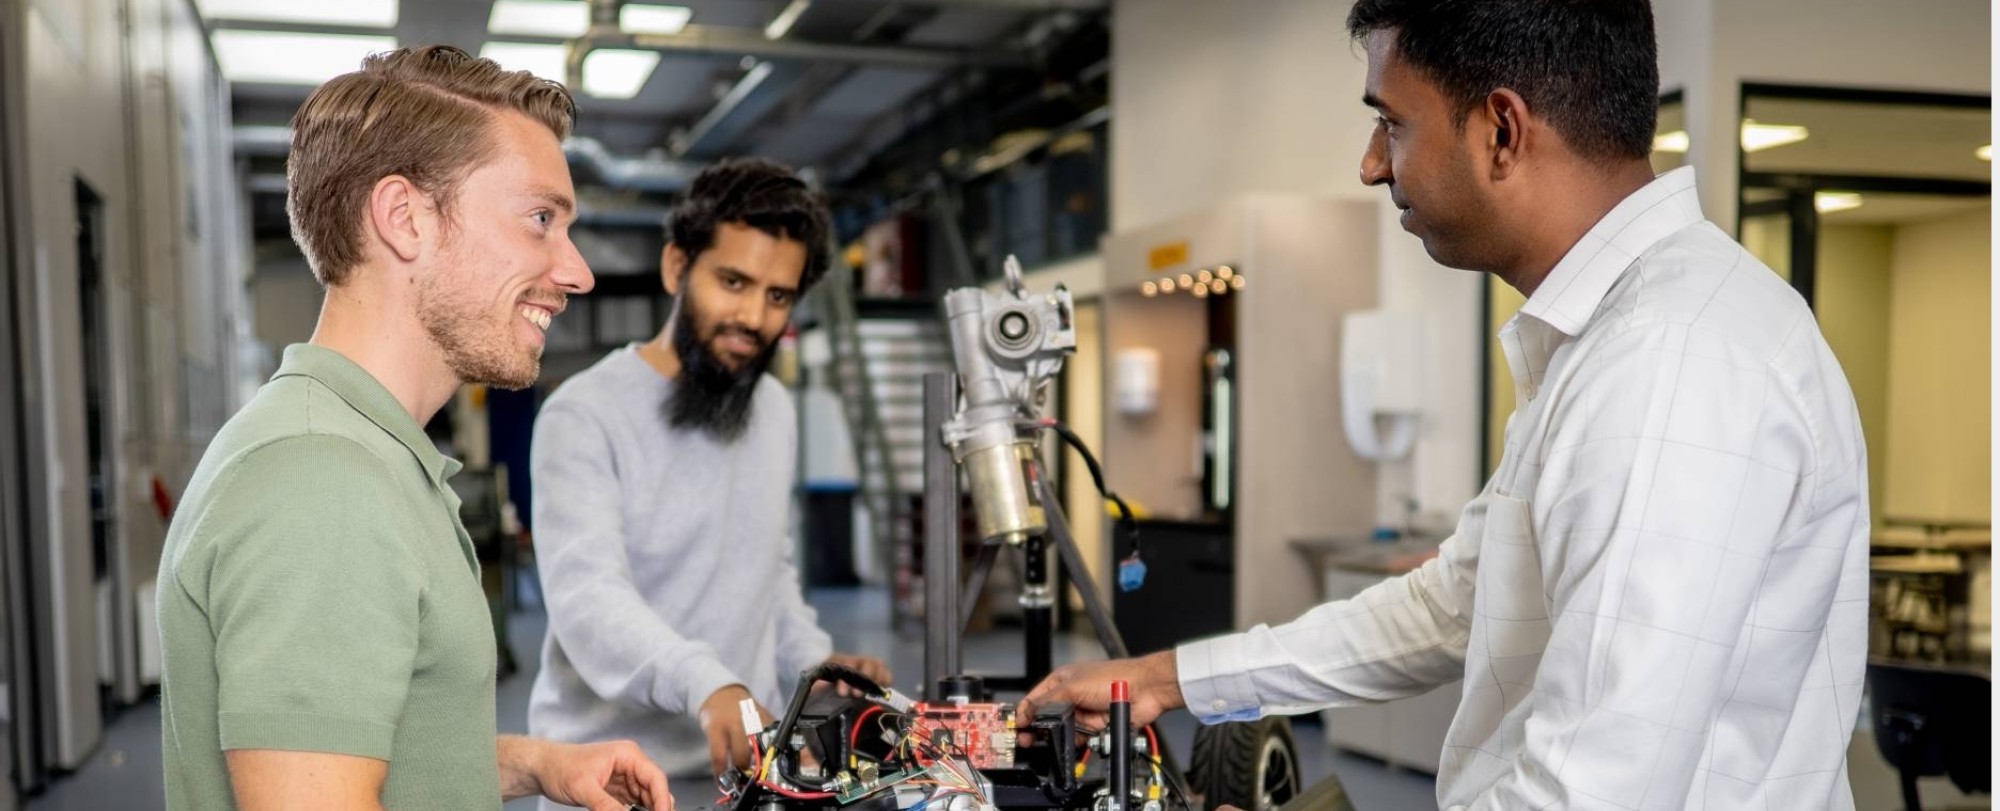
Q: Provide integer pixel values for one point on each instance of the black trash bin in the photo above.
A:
(829, 535)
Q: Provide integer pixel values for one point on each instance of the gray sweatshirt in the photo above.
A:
(666, 563)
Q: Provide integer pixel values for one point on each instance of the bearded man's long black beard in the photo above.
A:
(709, 396)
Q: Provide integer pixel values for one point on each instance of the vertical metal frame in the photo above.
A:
(20, 743)
(1800, 187)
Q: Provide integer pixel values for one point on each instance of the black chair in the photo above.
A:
(1933, 721)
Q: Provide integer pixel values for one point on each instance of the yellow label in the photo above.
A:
(1172, 254)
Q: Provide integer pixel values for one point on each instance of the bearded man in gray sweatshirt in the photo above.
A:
(662, 482)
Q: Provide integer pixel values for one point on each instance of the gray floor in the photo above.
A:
(125, 772)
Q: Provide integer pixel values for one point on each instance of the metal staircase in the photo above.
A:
(879, 356)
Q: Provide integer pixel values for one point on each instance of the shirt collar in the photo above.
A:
(362, 392)
(1572, 291)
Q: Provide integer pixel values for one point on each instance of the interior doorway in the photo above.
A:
(100, 471)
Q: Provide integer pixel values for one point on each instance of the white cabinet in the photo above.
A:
(1408, 733)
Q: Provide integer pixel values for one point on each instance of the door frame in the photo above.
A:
(1799, 188)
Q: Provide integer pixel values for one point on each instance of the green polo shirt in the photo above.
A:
(318, 594)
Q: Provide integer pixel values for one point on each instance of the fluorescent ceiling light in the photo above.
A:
(782, 24)
(1829, 201)
(666, 20)
(1758, 137)
(541, 18)
(546, 61)
(1676, 141)
(282, 58)
(1984, 153)
(357, 13)
(610, 73)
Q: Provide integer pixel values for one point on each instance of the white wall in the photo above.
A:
(1214, 100)
(123, 96)
(1852, 291)
(73, 130)
(1940, 465)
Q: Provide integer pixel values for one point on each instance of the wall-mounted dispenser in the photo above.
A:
(1381, 381)
(1136, 380)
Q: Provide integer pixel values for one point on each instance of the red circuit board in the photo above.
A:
(981, 733)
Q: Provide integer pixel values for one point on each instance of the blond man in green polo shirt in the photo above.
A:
(327, 641)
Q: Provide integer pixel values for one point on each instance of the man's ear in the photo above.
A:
(1506, 115)
(399, 215)
(673, 268)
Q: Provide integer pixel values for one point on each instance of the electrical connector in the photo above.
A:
(752, 722)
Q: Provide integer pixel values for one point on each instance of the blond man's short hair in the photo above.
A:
(426, 114)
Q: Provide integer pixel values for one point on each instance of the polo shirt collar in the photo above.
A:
(1571, 293)
(362, 392)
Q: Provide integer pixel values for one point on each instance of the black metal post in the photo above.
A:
(1805, 245)
(941, 532)
(1037, 610)
(1094, 606)
(1118, 765)
(1099, 613)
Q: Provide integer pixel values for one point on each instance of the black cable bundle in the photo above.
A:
(1125, 520)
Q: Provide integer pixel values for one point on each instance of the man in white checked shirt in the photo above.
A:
(1659, 601)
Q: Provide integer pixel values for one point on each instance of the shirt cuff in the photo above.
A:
(701, 678)
(306, 732)
(1214, 681)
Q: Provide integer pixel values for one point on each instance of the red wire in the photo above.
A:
(799, 795)
(1153, 741)
(757, 761)
(854, 738)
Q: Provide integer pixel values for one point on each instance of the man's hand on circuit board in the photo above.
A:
(1086, 686)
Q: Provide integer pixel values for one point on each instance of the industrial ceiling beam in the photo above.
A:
(739, 42)
(641, 173)
(747, 103)
(1018, 5)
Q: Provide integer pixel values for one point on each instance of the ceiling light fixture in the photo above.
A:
(1676, 142)
(356, 13)
(547, 61)
(1758, 137)
(540, 18)
(1984, 153)
(662, 20)
(611, 73)
(287, 58)
(1827, 202)
(782, 24)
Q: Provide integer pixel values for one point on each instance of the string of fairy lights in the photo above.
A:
(1200, 284)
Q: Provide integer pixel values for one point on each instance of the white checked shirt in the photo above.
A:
(1659, 601)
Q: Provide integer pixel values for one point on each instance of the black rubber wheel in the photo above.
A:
(1253, 765)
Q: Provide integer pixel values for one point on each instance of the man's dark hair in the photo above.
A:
(761, 194)
(1591, 67)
